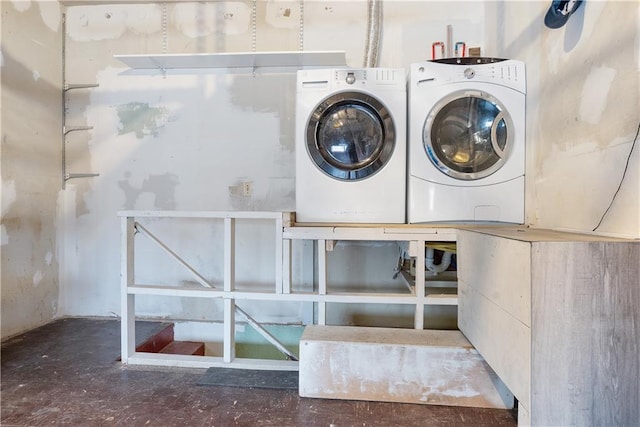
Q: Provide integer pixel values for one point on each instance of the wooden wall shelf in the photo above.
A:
(236, 60)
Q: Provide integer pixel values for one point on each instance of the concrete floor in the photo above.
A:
(68, 373)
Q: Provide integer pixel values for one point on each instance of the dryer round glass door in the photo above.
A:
(468, 135)
(350, 136)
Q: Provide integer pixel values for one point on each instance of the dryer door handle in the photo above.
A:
(494, 135)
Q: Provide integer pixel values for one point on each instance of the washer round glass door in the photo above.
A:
(350, 136)
(468, 135)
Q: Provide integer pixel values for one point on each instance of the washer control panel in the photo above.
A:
(350, 77)
(362, 77)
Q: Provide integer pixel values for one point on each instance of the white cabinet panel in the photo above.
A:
(499, 269)
(557, 316)
(502, 340)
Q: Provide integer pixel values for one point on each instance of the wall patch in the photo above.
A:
(595, 92)
(141, 118)
(161, 187)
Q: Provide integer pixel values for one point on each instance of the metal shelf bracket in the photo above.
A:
(68, 129)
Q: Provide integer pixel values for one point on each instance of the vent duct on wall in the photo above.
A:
(374, 30)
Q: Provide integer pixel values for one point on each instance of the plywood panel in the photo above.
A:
(499, 269)
(586, 334)
(527, 234)
(502, 340)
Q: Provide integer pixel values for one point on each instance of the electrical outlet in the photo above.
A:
(246, 189)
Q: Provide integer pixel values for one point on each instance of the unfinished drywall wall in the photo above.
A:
(31, 69)
(583, 112)
(192, 139)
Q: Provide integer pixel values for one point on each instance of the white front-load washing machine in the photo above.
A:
(351, 145)
(466, 141)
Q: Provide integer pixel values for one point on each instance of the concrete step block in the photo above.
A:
(397, 365)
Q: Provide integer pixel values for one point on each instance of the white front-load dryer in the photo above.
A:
(466, 141)
(351, 145)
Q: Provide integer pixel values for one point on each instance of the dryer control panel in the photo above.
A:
(508, 73)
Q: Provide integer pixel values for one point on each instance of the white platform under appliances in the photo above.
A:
(466, 141)
(351, 145)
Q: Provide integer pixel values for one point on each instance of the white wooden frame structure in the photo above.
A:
(285, 232)
(129, 290)
(326, 236)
